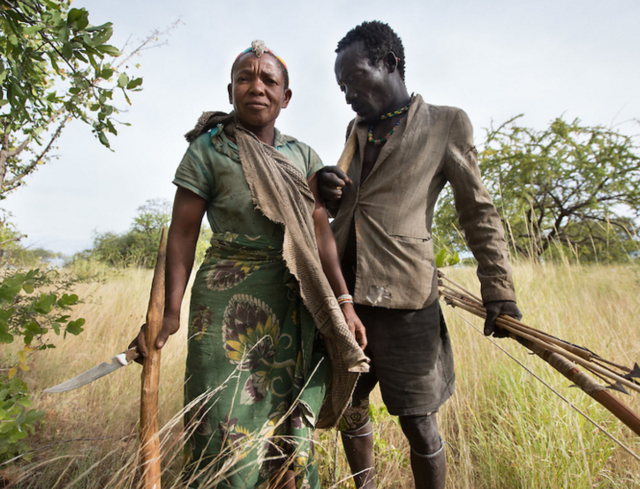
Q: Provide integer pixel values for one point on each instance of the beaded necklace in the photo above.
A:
(402, 111)
(395, 112)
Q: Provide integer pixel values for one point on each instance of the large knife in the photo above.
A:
(121, 360)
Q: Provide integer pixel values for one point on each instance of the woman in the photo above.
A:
(257, 368)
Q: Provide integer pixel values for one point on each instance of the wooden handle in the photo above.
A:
(349, 149)
(131, 355)
(149, 440)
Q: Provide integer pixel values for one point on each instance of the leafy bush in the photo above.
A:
(33, 304)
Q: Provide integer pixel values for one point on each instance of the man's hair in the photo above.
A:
(378, 39)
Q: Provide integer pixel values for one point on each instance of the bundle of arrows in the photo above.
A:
(565, 357)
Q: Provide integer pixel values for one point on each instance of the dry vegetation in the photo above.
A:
(504, 427)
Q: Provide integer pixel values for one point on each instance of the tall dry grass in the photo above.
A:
(504, 428)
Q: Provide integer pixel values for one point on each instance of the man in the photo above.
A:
(407, 150)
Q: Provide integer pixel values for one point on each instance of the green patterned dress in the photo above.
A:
(256, 370)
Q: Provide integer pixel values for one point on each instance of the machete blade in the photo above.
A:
(90, 375)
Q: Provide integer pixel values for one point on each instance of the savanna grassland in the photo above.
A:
(504, 429)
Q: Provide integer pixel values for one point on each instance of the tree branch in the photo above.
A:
(31, 166)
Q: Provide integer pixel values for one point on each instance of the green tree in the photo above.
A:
(573, 186)
(137, 247)
(54, 67)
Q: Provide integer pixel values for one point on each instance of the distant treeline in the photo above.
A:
(138, 246)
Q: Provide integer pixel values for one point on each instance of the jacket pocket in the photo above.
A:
(414, 249)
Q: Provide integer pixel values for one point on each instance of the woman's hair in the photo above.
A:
(258, 47)
(379, 39)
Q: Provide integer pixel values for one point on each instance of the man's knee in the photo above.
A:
(355, 418)
(422, 433)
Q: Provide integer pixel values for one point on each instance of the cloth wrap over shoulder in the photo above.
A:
(280, 191)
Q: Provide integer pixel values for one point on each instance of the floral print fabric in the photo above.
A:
(256, 370)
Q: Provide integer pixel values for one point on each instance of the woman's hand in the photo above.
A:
(355, 325)
(170, 325)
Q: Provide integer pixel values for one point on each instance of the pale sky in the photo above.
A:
(494, 59)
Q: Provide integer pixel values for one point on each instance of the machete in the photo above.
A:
(121, 360)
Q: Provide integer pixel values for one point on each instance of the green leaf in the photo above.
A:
(68, 300)
(108, 49)
(25, 401)
(45, 303)
(34, 415)
(106, 73)
(75, 327)
(102, 36)
(5, 337)
(136, 82)
(102, 27)
(33, 328)
(21, 418)
(8, 291)
(79, 56)
(103, 139)
(66, 50)
(78, 18)
(441, 258)
(63, 34)
(123, 80)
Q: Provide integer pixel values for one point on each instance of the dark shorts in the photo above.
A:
(411, 358)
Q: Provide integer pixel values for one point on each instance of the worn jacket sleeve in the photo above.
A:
(477, 215)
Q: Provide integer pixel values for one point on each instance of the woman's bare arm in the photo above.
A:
(328, 252)
(188, 210)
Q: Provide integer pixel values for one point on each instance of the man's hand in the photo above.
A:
(170, 325)
(355, 325)
(495, 309)
(331, 179)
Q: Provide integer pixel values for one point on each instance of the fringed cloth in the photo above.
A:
(280, 191)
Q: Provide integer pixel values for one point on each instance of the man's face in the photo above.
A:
(367, 87)
(257, 90)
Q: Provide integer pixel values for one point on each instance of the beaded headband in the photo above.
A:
(259, 48)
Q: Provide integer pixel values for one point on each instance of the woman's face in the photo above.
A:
(257, 90)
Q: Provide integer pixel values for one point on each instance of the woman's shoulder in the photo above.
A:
(284, 141)
(214, 145)
(300, 154)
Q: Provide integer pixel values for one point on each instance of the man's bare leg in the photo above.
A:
(428, 460)
(358, 446)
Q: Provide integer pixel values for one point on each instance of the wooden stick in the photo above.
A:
(595, 390)
(512, 326)
(558, 359)
(149, 440)
(349, 150)
(574, 358)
